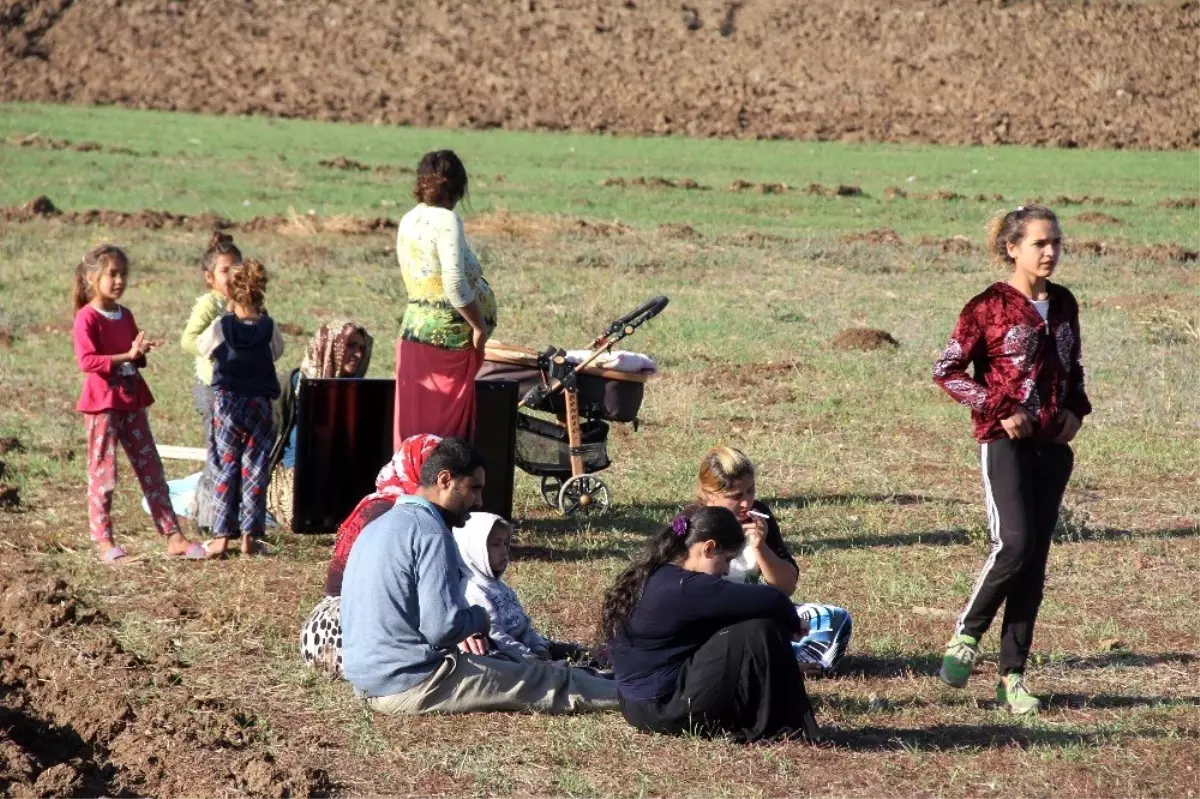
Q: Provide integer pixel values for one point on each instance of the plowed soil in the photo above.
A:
(1102, 74)
(68, 726)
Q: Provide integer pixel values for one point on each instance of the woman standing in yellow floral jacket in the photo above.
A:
(451, 310)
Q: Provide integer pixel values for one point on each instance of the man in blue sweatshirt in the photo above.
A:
(410, 641)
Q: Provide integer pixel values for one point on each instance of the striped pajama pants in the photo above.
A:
(239, 452)
(1023, 486)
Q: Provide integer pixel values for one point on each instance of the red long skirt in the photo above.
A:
(435, 391)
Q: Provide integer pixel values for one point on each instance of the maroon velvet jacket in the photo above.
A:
(1019, 360)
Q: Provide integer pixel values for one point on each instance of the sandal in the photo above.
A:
(194, 551)
(210, 554)
(114, 554)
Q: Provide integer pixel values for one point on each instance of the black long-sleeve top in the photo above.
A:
(678, 612)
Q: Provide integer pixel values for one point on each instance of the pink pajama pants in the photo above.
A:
(132, 429)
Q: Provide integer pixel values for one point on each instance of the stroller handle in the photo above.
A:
(635, 318)
(616, 331)
(646, 311)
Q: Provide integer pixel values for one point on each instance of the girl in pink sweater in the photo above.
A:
(111, 351)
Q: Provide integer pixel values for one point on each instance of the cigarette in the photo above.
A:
(758, 514)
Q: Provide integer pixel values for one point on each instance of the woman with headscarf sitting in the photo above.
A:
(321, 635)
(338, 349)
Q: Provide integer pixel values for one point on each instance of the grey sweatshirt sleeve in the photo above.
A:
(445, 617)
(499, 637)
(534, 640)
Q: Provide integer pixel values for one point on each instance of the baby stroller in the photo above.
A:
(568, 453)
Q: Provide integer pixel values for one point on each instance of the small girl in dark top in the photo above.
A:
(695, 653)
(727, 480)
(243, 345)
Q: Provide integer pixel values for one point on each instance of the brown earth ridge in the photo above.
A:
(1088, 74)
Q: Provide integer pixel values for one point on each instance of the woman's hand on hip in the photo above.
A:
(479, 338)
(1019, 425)
(1070, 427)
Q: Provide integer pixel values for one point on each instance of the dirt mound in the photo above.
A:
(344, 163)
(1097, 218)
(916, 70)
(863, 338)
(1087, 199)
(878, 237)
(679, 230)
(43, 207)
(1165, 253)
(761, 188)
(752, 238)
(40, 142)
(68, 726)
(956, 245)
(654, 183)
(1180, 202)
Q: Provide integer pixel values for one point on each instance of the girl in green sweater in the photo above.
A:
(220, 259)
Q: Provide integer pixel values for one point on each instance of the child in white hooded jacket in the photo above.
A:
(483, 543)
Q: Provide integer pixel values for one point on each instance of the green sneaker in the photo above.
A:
(1011, 691)
(959, 660)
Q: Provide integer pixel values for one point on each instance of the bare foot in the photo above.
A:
(251, 546)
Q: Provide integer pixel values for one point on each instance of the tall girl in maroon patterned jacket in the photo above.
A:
(1027, 401)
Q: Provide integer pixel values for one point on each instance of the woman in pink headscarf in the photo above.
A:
(321, 635)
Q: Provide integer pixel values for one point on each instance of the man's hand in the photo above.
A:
(475, 645)
(1070, 427)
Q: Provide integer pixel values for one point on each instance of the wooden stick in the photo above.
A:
(182, 453)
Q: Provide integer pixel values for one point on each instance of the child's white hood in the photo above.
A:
(471, 540)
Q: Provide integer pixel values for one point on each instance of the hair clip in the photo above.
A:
(680, 525)
(1018, 209)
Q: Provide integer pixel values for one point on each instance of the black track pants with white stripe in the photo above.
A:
(1023, 485)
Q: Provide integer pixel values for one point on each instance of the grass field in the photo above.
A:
(870, 468)
(246, 167)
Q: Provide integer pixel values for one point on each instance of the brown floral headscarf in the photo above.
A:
(327, 350)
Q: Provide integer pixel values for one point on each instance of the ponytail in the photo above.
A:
(81, 291)
(666, 546)
(248, 285)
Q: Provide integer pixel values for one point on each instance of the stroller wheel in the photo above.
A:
(551, 485)
(585, 494)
